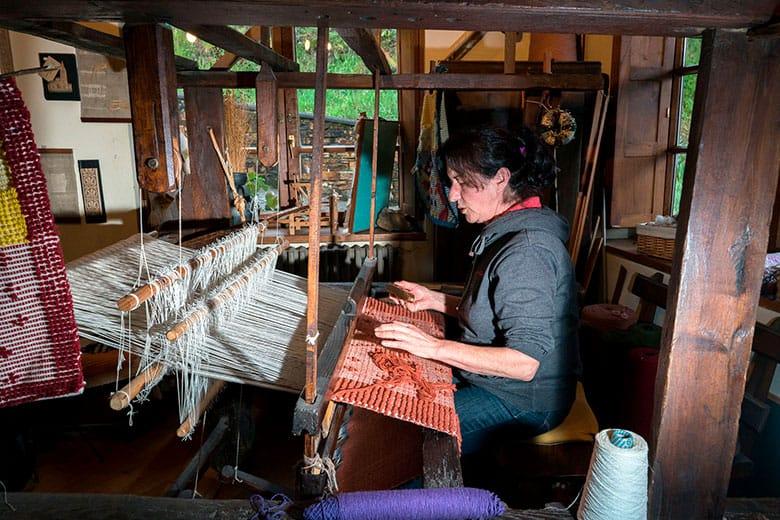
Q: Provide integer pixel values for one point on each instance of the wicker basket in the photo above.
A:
(656, 240)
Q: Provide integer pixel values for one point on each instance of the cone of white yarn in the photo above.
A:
(616, 485)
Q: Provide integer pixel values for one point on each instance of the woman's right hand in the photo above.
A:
(423, 298)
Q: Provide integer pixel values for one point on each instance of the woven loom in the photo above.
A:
(262, 345)
(39, 345)
(391, 382)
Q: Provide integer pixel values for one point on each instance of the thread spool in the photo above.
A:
(616, 485)
(402, 504)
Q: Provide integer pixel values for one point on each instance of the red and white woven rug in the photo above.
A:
(40, 355)
(392, 382)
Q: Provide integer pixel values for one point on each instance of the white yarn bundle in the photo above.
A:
(616, 486)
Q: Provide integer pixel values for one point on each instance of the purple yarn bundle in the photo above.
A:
(405, 504)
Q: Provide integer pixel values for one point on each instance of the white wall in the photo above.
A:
(57, 124)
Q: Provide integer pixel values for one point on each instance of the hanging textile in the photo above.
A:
(429, 168)
(39, 344)
(391, 382)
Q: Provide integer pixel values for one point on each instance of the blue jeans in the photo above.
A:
(483, 415)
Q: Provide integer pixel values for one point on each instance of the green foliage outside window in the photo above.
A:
(341, 59)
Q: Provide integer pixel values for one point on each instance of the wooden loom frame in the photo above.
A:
(732, 61)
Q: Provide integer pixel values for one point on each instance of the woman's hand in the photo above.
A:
(404, 336)
(423, 298)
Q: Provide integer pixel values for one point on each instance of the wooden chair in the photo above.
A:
(755, 404)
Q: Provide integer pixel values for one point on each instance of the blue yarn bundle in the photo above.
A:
(621, 438)
(403, 504)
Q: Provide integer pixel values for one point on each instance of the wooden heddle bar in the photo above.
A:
(133, 300)
(227, 293)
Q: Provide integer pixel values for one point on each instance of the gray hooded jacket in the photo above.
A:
(522, 294)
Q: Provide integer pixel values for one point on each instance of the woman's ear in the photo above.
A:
(502, 177)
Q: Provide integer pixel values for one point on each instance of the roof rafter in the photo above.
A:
(82, 37)
(241, 45)
(363, 42)
(670, 17)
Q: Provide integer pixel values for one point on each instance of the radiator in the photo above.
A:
(340, 263)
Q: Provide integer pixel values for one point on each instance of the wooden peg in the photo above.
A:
(122, 398)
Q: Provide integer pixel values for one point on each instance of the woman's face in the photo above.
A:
(478, 203)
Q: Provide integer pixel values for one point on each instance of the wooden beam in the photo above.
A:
(716, 275)
(510, 47)
(82, 37)
(240, 45)
(151, 79)
(519, 81)
(668, 17)
(363, 42)
(283, 42)
(229, 59)
(465, 42)
(411, 59)
(6, 58)
(266, 105)
(204, 193)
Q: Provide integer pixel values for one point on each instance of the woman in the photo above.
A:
(516, 358)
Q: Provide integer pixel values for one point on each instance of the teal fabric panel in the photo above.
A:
(388, 135)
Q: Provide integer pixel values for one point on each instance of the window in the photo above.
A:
(685, 73)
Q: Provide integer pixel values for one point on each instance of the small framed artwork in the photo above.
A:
(64, 86)
(104, 93)
(92, 192)
(60, 172)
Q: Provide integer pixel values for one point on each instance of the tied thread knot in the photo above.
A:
(325, 465)
(270, 509)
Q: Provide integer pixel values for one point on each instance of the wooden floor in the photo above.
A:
(80, 445)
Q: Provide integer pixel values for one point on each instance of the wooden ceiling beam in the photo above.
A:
(363, 42)
(521, 81)
(229, 59)
(82, 37)
(465, 42)
(241, 45)
(667, 17)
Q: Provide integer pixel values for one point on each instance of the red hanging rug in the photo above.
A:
(40, 355)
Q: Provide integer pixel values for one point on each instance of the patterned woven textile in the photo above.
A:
(39, 345)
(391, 382)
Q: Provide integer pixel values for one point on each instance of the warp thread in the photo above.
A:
(270, 509)
(402, 504)
(616, 485)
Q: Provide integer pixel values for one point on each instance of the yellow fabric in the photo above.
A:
(13, 229)
(579, 425)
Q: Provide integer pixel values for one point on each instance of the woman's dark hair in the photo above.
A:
(478, 154)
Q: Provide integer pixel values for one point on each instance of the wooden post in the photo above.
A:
(730, 178)
(151, 79)
(374, 158)
(266, 103)
(204, 196)
(315, 194)
(411, 47)
(510, 46)
(283, 42)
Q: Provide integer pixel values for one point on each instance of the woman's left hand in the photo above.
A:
(405, 336)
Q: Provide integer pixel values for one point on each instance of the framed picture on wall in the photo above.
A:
(104, 93)
(92, 192)
(64, 86)
(60, 172)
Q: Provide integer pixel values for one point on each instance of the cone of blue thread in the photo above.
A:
(403, 504)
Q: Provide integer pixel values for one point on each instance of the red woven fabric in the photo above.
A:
(395, 383)
(39, 345)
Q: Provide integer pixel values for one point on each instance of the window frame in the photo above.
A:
(679, 72)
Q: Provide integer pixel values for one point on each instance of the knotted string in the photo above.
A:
(325, 465)
(273, 509)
